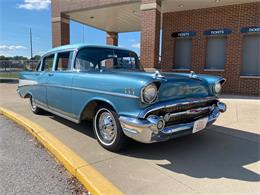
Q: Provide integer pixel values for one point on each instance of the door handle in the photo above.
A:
(50, 74)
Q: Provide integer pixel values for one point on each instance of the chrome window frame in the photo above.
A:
(45, 56)
(71, 61)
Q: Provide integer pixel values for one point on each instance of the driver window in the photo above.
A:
(47, 63)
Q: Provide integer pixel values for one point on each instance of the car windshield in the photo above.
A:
(106, 59)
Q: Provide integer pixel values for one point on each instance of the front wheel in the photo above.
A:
(35, 109)
(108, 130)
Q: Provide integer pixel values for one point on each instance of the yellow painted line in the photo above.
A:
(94, 181)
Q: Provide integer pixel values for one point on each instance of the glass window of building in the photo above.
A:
(251, 58)
(183, 53)
(216, 50)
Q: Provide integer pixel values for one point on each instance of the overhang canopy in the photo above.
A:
(126, 17)
(117, 18)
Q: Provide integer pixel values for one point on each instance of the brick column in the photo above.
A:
(112, 38)
(60, 31)
(150, 32)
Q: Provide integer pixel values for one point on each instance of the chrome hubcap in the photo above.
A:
(107, 127)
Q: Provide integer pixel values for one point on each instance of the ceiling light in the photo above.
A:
(217, 1)
(181, 5)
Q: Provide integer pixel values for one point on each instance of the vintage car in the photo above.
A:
(108, 85)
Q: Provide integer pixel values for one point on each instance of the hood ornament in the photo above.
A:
(157, 75)
(193, 75)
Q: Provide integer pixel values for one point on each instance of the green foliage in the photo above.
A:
(36, 57)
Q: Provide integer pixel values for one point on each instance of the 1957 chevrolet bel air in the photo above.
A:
(108, 85)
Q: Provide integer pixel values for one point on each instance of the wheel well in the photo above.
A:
(89, 110)
(28, 95)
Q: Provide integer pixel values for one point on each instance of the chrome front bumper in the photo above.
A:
(146, 130)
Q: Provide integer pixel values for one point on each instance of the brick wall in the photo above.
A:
(233, 17)
(60, 33)
(112, 38)
(150, 38)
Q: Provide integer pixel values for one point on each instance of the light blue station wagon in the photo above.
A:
(108, 85)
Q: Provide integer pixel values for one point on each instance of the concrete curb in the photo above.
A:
(94, 181)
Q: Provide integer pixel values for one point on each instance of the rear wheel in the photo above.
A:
(35, 109)
(108, 130)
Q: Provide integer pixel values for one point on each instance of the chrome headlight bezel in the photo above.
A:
(144, 93)
(217, 88)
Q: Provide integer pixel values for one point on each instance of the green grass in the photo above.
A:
(8, 74)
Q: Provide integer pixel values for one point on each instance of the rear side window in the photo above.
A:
(47, 63)
(63, 61)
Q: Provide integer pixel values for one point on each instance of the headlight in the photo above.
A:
(217, 87)
(149, 93)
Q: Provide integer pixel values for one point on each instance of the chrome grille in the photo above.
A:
(186, 112)
(187, 117)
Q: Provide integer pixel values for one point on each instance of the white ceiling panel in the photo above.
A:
(120, 18)
(126, 17)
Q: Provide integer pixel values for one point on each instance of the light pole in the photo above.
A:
(31, 43)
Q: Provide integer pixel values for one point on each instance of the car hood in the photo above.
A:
(174, 85)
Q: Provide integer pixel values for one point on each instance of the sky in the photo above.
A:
(18, 16)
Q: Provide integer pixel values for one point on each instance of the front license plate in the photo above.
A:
(199, 125)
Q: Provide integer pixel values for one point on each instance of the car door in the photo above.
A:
(59, 84)
(40, 91)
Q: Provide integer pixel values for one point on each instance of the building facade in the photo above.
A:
(213, 37)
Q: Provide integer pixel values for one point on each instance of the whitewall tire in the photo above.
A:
(108, 130)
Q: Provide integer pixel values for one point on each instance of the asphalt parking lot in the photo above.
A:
(223, 159)
(27, 168)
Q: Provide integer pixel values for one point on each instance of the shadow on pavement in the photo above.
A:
(208, 154)
(85, 127)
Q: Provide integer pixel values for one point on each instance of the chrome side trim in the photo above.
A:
(92, 91)
(26, 82)
(58, 114)
(154, 107)
(106, 92)
(87, 90)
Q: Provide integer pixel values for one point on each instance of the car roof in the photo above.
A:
(79, 46)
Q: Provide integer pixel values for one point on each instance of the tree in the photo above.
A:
(19, 58)
(36, 57)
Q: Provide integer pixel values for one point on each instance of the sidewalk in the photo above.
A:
(222, 159)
